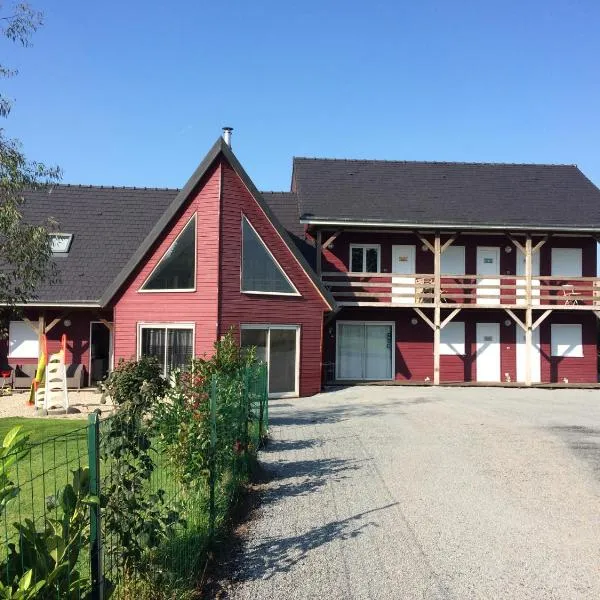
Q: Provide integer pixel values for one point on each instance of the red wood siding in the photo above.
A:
(414, 346)
(236, 308)
(198, 307)
(78, 336)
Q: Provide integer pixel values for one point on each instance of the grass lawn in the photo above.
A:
(58, 446)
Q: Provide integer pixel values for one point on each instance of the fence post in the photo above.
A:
(246, 406)
(97, 578)
(213, 448)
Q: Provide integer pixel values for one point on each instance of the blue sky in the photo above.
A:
(134, 93)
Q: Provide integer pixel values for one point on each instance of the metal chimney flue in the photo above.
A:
(227, 135)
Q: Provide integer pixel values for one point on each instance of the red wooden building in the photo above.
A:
(364, 271)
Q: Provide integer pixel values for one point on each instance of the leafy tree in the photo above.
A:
(25, 255)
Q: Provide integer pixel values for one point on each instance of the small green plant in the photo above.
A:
(43, 564)
(135, 519)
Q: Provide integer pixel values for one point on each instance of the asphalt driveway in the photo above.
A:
(405, 492)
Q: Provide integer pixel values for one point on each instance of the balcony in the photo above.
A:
(465, 291)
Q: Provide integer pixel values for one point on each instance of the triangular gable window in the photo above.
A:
(176, 270)
(261, 273)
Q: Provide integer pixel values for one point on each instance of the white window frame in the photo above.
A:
(166, 327)
(268, 327)
(68, 237)
(141, 289)
(571, 351)
(462, 252)
(452, 349)
(337, 348)
(28, 342)
(259, 293)
(364, 248)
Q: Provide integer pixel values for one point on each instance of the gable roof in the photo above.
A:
(446, 194)
(219, 147)
(107, 223)
(284, 206)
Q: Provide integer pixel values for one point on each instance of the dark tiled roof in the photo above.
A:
(108, 224)
(285, 207)
(453, 194)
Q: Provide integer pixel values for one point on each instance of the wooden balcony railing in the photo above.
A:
(506, 291)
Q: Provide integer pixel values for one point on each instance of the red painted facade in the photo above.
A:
(237, 308)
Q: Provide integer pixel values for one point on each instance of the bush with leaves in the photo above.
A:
(135, 519)
(43, 564)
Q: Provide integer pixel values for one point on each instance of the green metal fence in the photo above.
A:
(100, 562)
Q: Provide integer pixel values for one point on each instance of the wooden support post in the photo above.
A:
(516, 242)
(528, 310)
(424, 317)
(330, 240)
(541, 319)
(449, 318)
(436, 310)
(425, 241)
(516, 319)
(319, 251)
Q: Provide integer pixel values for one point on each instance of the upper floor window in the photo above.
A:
(176, 270)
(60, 243)
(365, 258)
(453, 261)
(261, 273)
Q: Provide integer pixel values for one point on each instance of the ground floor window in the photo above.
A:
(278, 346)
(171, 344)
(364, 350)
(23, 341)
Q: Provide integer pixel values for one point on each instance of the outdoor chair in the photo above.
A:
(570, 295)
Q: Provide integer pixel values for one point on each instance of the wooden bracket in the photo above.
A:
(331, 239)
(52, 324)
(108, 324)
(516, 242)
(449, 318)
(597, 313)
(541, 243)
(424, 317)
(516, 319)
(540, 319)
(34, 327)
(449, 242)
(425, 241)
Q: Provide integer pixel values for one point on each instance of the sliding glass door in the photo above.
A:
(365, 351)
(277, 345)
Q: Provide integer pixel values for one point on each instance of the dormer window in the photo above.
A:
(60, 243)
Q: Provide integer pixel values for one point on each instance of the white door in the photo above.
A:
(403, 263)
(488, 352)
(488, 264)
(535, 283)
(536, 356)
(365, 351)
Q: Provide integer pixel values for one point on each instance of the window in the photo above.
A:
(261, 273)
(452, 339)
(176, 270)
(566, 340)
(566, 262)
(22, 341)
(172, 345)
(277, 345)
(365, 259)
(453, 261)
(60, 243)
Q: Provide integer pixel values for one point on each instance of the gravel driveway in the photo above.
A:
(406, 492)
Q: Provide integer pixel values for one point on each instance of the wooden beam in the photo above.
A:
(424, 317)
(437, 256)
(108, 324)
(425, 241)
(528, 311)
(34, 327)
(540, 319)
(541, 243)
(331, 239)
(319, 251)
(516, 243)
(52, 324)
(449, 318)
(516, 319)
(449, 242)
